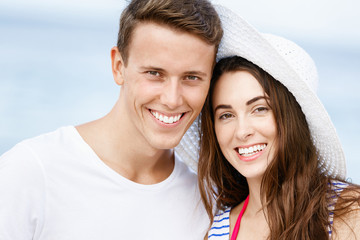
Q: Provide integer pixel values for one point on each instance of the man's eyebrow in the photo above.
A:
(197, 73)
(222, 106)
(255, 99)
(152, 68)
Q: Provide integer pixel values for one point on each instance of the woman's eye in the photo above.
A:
(261, 109)
(225, 116)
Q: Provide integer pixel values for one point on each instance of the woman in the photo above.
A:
(270, 161)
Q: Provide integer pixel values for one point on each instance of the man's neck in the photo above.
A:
(126, 155)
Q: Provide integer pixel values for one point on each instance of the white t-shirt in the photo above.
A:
(54, 187)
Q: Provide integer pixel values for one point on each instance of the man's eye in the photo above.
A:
(192, 78)
(154, 73)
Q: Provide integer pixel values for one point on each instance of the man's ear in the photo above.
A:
(117, 65)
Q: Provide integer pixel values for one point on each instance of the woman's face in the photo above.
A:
(244, 123)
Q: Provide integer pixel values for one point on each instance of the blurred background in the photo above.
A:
(55, 61)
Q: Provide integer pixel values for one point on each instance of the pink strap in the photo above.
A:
(237, 224)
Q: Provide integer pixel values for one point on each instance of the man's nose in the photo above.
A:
(172, 94)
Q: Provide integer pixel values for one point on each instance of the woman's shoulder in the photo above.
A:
(341, 191)
(338, 185)
(220, 227)
(347, 215)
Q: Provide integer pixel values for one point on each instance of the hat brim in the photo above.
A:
(241, 39)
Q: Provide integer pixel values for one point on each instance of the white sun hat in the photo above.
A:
(290, 65)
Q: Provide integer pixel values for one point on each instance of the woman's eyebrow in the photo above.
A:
(225, 106)
(222, 106)
(255, 99)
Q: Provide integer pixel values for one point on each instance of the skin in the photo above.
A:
(350, 228)
(168, 72)
(240, 121)
(243, 119)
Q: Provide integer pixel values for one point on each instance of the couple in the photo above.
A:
(266, 146)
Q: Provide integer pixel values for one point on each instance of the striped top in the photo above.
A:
(221, 226)
(220, 229)
(337, 187)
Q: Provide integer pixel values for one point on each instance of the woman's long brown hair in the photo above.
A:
(295, 192)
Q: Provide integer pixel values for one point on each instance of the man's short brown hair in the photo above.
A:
(196, 17)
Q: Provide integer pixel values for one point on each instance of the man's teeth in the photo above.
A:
(166, 119)
(251, 150)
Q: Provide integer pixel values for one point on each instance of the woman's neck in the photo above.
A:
(255, 204)
(253, 223)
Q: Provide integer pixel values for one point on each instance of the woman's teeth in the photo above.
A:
(251, 150)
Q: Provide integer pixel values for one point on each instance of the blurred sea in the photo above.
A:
(58, 73)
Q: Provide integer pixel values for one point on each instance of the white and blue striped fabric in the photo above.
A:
(337, 187)
(220, 229)
(221, 226)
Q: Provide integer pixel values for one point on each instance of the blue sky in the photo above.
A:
(55, 61)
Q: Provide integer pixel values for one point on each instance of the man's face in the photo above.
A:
(164, 83)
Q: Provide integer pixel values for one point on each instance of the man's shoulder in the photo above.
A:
(57, 136)
(185, 170)
(44, 143)
(185, 180)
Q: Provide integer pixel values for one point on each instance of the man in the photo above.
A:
(117, 177)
